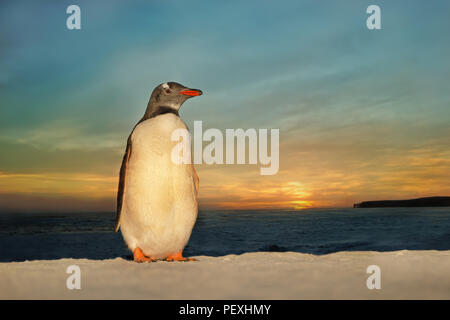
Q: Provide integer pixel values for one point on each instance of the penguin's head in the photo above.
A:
(172, 95)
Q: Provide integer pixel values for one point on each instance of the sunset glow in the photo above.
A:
(362, 116)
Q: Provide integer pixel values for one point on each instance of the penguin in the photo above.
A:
(157, 202)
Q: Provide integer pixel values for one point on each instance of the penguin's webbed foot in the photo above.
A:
(178, 257)
(139, 256)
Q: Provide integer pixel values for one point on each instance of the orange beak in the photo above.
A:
(191, 92)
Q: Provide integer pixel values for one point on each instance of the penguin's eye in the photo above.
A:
(168, 91)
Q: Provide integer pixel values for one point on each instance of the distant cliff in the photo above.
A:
(420, 202)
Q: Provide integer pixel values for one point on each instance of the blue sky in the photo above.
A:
(344, 97)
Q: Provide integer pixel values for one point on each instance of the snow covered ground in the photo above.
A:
(260, 275)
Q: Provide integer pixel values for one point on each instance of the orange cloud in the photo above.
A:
(313, 173)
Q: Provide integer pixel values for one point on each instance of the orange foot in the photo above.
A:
(178, 257)
(139, 256)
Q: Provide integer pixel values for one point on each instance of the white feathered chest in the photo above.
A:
(160, 203)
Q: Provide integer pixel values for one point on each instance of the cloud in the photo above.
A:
(362, 115)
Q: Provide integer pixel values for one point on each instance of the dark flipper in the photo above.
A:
(121, 189)
(196, 180)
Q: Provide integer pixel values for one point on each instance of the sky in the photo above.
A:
(363, 114)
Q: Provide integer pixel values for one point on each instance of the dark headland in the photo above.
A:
(420, 202)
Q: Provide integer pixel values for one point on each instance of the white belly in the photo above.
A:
(160, 202)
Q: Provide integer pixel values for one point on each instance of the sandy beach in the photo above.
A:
(260, 275)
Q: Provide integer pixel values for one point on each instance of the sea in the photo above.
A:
(48, 236)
